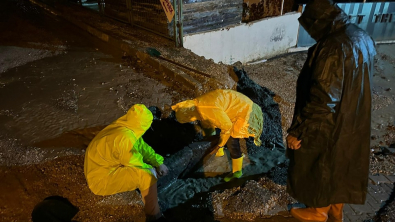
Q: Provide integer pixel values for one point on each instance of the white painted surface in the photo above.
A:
(247, 42)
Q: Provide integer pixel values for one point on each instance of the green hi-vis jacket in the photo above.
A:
(118, 159)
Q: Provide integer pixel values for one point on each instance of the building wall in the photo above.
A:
(204, 15)
(257, 9)
(246, 42)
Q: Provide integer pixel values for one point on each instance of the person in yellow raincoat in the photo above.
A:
(118, 160)
(232, 112)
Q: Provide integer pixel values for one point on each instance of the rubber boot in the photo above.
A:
(311, 214)
(237, 165)
(335, 213)
(220, 152)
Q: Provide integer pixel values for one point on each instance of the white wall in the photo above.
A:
(247, 42)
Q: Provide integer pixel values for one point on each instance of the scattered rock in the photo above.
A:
(265, 198)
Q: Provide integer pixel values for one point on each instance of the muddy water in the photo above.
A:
(56, 78)
(58, 87)
(56, 101)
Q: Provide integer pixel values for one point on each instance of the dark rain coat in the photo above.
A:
(332, 111)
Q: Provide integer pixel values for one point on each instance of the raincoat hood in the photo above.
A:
(322, 17)
(186, 111)
(138, 119)
(332, 114)
(118, 159)
(228, 110)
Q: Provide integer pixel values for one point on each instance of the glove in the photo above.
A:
(220, 152)
(162, 170)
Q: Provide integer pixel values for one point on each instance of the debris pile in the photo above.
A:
(265, 198)
(272, 132)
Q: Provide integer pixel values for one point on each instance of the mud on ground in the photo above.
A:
(60, 172)
(33, 170)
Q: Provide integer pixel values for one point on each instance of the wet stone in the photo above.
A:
(256, 199)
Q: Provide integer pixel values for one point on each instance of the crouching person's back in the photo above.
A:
(118, 160)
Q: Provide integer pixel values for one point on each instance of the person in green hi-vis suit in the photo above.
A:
(118, 160)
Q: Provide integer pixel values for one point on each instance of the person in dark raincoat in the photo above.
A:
(329, 138)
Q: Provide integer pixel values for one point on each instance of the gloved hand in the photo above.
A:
(220, 152)
(162, 170)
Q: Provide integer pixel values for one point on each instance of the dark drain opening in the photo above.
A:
(167, 136)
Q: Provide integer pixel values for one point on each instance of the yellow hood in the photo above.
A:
(186, 111)
(138, 119)
(118, 159)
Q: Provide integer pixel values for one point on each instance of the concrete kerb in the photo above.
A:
(165, 67)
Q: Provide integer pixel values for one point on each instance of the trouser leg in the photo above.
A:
(151, 206)
(237, 159)
(233, 145)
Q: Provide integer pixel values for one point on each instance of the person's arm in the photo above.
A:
(152, 158)
(325, 92)
(217, 118)
(149, 154)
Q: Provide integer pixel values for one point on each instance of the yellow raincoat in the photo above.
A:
(232, 112)
(118, 159)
